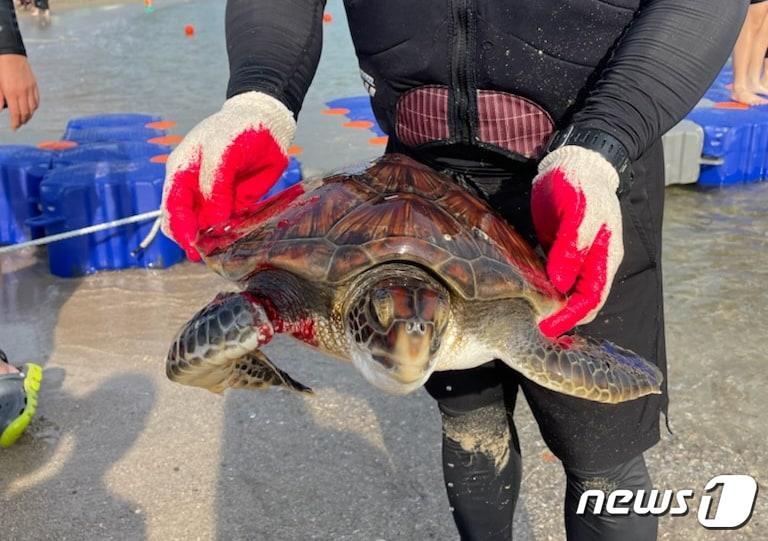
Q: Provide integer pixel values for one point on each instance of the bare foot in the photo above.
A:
(6, 368)
(45, 17)
(755, 86)
(745, 96)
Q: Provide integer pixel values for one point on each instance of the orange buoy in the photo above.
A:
(731, 105)
(336, 111)
(57, 145)
(327, 17)
(160, 158)
(358, 124)
(378, 140)
(295, 150)
(161, 125)
(166, 140)
(189, 30)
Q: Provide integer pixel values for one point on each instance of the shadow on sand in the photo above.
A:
(349, 462)
(57, 473)
(53, 479)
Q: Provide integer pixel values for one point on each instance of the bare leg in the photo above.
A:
(765, 74)
(759, 47)
(742, 55)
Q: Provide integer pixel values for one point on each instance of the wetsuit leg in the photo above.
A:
(631, 475)
(481, 453)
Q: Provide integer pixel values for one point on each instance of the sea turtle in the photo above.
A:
(400, 270)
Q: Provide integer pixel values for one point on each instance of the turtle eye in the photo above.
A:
(383, 307)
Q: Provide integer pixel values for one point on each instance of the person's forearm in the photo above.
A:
(665, 62)
(274, 47)
(10, 37)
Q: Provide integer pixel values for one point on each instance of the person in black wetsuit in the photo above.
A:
(18, 87)
(552, 111)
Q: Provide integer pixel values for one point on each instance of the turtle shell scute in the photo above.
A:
(395, 210)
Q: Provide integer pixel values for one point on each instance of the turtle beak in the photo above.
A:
(408, 356)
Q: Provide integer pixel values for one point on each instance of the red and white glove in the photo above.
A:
(577, 218)
(224, 165)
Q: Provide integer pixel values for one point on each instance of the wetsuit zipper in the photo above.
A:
(462, 70)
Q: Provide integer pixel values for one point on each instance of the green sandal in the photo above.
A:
(18, 401)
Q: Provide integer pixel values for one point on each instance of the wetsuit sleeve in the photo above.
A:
(666, 60)
(10, 37)
(274, 47)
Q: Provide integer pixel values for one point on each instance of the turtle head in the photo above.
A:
(397, 323)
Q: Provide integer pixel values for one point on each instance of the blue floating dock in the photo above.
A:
(113, 128)
(85, 194)
(110, 151)
(291, 176)
(104, 134)
(22, 168)
(739, 138)
(359, 108)
(108, 176)
(111, 120)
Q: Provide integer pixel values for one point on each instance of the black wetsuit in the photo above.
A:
(10, 37)
(631, 68)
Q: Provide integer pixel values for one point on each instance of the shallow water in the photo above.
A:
(120, 453)
(117, 58)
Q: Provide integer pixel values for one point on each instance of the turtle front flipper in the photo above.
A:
(596, 370)
(218, 347)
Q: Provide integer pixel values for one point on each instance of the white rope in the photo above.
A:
(91, 229)
(148, 239)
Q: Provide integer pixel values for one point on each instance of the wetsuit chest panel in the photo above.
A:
(577, 31)
(543, 50)
(405, 42)
(547, 50)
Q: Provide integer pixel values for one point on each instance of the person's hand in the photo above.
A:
(18, 88)
(224, 165)
(577, 218)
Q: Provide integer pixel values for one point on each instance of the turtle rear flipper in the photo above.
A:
(596, 370)
(256, 371)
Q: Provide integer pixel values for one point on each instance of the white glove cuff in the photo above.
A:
(582, 165)
(262, 110)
